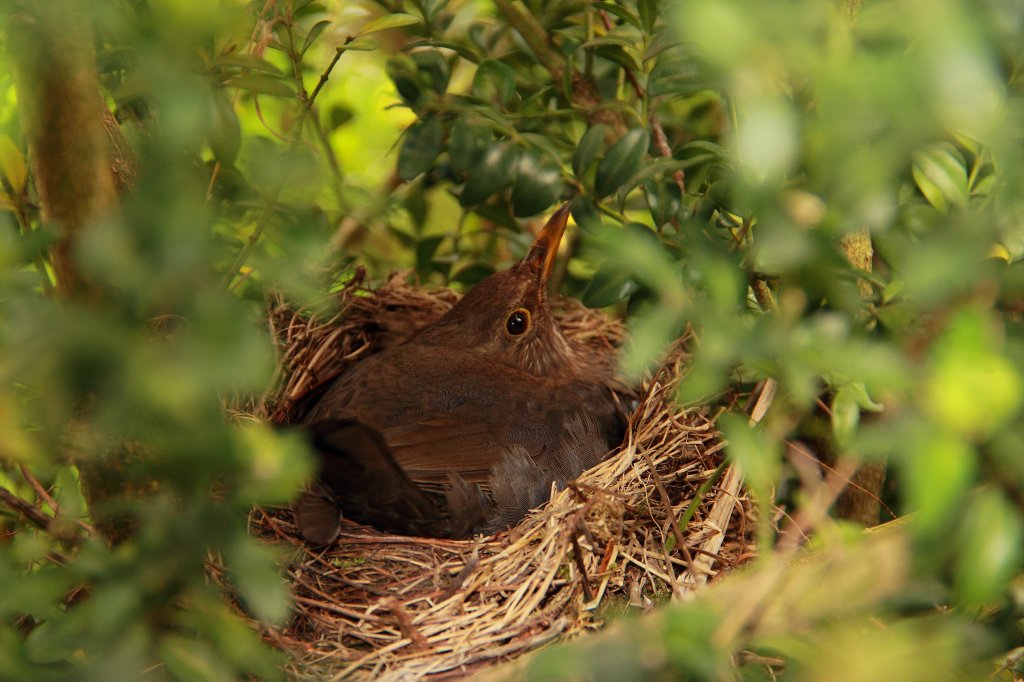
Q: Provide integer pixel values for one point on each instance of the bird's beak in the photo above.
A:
(545, 247)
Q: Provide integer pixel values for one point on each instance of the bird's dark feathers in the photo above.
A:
(464, 427)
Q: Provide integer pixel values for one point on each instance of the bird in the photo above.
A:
(465, 426)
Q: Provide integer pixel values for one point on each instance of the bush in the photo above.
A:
(830, 195)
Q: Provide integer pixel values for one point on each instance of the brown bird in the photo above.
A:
(464, 427)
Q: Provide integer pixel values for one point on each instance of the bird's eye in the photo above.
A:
(518, 322)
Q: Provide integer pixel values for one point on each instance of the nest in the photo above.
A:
(656, 520)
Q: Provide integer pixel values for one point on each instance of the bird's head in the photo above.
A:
(507, 316)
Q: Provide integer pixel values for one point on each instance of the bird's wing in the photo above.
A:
(431, 448)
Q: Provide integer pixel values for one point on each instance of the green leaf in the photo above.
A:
(277, 462)
(990, 554)
(188, 659)
(314, 33)
(433, 65)
(388, 22)
(263, 85)
(416, 205)
(538, 185)
(941, 174)
(705, 146)
(650, 333)
(420, 148)
(608, 39)
(458, 48)
(938, 470)
(657, 167)
(309, 8)
(493, 173)
(338, 116)
(676, 73)
(225, 133)
(589, 145)
(622, 161)
(402, 70)
(544, 145)
(619, 11)
(467, 143)
(973, 387)
(494, 81)
(12, 164)
(665, 39)
(757, 453)
(663, 200)
(845, 416)
(626, 57)
(608, 286)
(648, 12)
(425, 250)
(254, 571)
(587, 215)
(360, 45)
(248, 62)
(860, 393)
(473, 273)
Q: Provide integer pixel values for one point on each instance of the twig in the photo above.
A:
(213, 181)
(588, 593)
(243, 255)
(799, 449)
(535, 36)
(40, 490)
(460, 577)
(722, 510)
(45, 496)
(405, 623)
(822, 498)
(666, 500)
(275, 193)
(325, 76)
(38, 260)
(660, 139)
(30, 512)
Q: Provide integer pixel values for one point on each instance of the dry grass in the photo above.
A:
(656, 520)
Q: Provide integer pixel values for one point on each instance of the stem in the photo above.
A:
(25, 226)
(660, 139)
(231, 280)
(250, 244)
(332, 159)
(762, 293)
(327, 72)
(31, 513)
(527, 26)
(213, 181)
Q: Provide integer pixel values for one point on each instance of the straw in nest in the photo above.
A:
(656, 519)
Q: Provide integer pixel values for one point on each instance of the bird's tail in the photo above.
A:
(358, 476)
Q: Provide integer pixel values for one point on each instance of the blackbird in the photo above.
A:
(464, 427)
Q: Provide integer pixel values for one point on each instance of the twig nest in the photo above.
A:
(644, 525)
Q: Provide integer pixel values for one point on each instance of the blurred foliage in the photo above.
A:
(718, 153)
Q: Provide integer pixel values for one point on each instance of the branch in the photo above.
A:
(660, 139)
(535, 36)
(32, 514)
(62, 117)
(230, 280)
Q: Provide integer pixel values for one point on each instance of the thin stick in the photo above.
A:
(30, 512)
(660, 139)
(40, 490)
